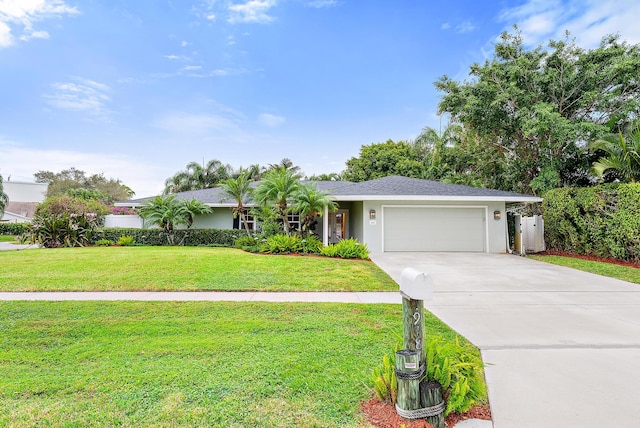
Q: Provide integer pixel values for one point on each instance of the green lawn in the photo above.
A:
(7, 238)
(179, 364)
(184, 269)
(625, 273)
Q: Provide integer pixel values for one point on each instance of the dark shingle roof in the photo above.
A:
(387, 187)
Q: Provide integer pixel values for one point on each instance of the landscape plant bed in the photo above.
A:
(192, 363)
(619, 269)
(182, 269)
(383, 415)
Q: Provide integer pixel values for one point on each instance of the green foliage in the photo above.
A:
(62, 230)
(240, 190)
(13, 228)
(621, 155)
(310, 203)
(282, 244)
(270, 222)
(601, 220)
(167, 212)
(382, 160)
(189, 237)
(536, 107)
(71, 205)
(384, 379)
(246, 241)
(459, 370)
(197, 176)
(347, 249)
(311, 245)
(75, 181)
(126, 241)
(103, 243)
(277, 190)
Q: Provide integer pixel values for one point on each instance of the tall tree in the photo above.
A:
(384, 159)
(277, 188)
(73, 179)
(332, 176)
(540, 106)
(286, 164)
(240, 190)
(309, 203)
(4, 199)
(197, 176)
(621, 155)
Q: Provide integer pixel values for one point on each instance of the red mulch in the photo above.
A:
(590, 258)
(383, 415)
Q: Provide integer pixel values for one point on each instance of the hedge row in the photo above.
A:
(600, 220)
(191, 237)
(13, 228)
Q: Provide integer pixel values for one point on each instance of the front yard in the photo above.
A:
(182, 269)
(192, 363)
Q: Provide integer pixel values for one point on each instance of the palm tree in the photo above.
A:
(239, 189)
(4, 199)
(196, 177)
(277, 188)
(163, 211)
(622, 155)
(332, 176)
(310, 202)
(287, 164)
(192, 208)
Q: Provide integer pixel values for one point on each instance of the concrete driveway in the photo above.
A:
(561, 346)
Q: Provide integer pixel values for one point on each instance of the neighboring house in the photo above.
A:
(24, 197)
(394, 214)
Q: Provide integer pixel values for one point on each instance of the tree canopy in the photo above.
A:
(75, 182)
(538, 108)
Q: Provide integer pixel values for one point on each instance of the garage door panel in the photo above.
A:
(434, 229)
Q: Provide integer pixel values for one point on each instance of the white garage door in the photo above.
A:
(434, 229)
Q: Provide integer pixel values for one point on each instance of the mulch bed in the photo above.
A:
(589, 257)
(383, 415)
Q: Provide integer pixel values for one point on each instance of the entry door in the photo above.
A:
(338, 226)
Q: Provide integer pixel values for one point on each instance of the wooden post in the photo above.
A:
(413, 326)
(408, 364)
(430, 396)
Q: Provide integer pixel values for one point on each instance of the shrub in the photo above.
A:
(13, 228)
(311, 245)
(347, 249)
(384, 379)
(103, 243)
(61, 230)
(190, 237)
(602, 220)
(126, 241)
(459, 370)
(246, 241)
(282, 244)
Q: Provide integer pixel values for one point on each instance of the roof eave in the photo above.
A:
(528, 199)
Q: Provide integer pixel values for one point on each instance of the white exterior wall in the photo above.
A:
(19, 191)
(130, 221)
(222, 218)
(497, 229)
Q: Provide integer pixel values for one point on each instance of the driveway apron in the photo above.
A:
(561, 346)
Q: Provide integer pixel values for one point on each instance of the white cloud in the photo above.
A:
(21, 16)
(322, 3)
(465, 27)
(253, 11)
(184, 44)
(191, 68)
(82, 95)
(445, 26)
(270, 120)
(588, 21)
(211, 17)
(21, 161)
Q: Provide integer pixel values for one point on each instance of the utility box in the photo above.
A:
(529, 236)
(416, 285)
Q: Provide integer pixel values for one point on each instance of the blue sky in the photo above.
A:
(136, 89)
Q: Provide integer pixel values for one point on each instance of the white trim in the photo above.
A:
(439, 198)
(483, 207)
(325, 227)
